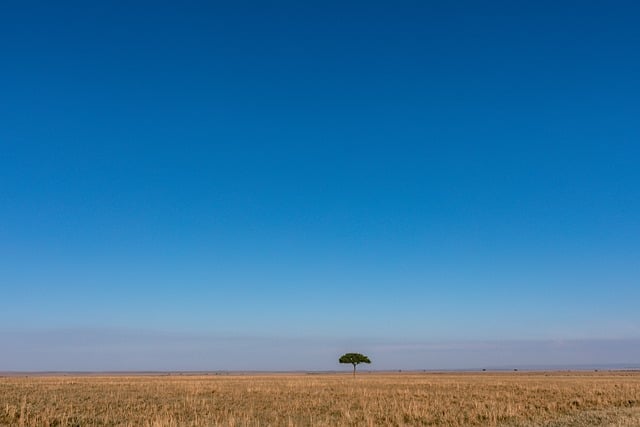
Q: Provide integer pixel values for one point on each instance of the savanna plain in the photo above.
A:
(369, 399)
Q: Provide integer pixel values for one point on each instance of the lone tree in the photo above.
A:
(355, 359)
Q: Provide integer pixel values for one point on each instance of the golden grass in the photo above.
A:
(451, 399)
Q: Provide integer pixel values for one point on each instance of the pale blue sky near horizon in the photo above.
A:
(187, 183)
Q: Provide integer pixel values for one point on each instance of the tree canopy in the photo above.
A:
(355, 359)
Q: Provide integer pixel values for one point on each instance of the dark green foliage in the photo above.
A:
(355, 359)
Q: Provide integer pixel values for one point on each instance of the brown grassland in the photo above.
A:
(451, 399)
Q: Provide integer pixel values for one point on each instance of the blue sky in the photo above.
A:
(309, 178)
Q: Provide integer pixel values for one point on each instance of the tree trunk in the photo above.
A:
(354, 370)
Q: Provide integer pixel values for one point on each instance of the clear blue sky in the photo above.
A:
(185, 182)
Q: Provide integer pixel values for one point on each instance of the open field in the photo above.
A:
(452, 399)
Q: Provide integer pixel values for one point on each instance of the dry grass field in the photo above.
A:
(451, 399)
